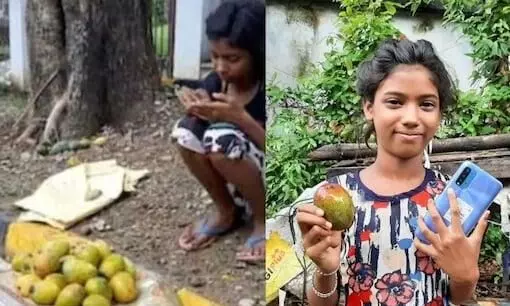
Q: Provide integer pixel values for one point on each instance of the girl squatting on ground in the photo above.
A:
(222, 137)
(405, 88)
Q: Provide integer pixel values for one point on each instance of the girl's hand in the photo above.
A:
(223, 108)
(321, 244)
(456, 254)
(188, 98)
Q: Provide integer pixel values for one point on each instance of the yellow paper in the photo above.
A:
(282, 265)
(189, 298)
(25, 237)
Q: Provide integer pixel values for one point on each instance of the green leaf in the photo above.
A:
(390, 8)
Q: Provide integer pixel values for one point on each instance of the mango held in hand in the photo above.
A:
(337, 205)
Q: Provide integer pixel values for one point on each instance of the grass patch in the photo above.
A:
(12, 104)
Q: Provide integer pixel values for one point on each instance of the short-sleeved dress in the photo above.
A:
(379, 262)
(206, 137)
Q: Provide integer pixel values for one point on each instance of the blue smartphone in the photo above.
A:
(475, 190)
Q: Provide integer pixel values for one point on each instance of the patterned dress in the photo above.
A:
(204, 137)
(379, 262)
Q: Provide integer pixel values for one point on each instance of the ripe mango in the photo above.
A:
(58, 248)
(99, 285)
(337, 205)
(46, 263)
(90, 254)
(96, 300)
(78, 271)
(22, 263)
(44, 292)
(71, 295)
(112, 265)
(58, 279)
(124, 287)
(104, 248)
(25, 282)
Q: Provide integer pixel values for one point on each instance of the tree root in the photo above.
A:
(32, 103)
(52, 122)
(25, 137)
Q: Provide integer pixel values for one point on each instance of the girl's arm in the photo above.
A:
(323, 284)
(463, 291)
(252, 128)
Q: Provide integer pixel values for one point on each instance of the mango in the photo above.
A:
(124, 287)
(99, 285)
(337, 205)
(71, 295)
(44, 292)
(112, 265)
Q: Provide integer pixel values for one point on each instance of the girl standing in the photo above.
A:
(404, 88)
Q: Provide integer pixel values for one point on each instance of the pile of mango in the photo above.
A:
(71, 273)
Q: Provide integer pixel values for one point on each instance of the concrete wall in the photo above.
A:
(297, 36)
(191, 46)
(18, 44)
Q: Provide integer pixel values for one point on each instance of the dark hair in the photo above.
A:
(392, 53)
(242, 22)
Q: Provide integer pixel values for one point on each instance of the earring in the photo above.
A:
(428, 150)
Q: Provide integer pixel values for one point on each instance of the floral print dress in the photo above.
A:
(380, 264)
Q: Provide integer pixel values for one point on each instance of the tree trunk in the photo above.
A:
(353, 151)
(108, 68)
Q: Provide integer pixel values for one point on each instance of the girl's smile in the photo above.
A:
(405, 111)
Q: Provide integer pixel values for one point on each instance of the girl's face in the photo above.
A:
(232, 64)
(405, 111)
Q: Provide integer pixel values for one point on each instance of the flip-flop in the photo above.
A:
(210, 233)
(251, 243)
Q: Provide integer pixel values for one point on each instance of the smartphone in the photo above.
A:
(475, 190)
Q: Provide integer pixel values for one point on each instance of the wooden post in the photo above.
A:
(171, 36)
(18, 46)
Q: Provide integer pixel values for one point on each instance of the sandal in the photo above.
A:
(192, 240)
(250, 256)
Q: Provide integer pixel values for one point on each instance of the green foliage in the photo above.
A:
(159, 13)
(324, 107)
(493, 246)
(487, 24)
(476, 114)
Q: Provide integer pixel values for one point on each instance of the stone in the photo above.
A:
(246, 302)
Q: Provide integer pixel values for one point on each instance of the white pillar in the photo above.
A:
(18, 44)
(189, 29)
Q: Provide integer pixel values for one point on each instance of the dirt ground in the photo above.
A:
(145, 225)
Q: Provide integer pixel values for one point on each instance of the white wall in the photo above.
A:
(189, 29)
(191, 46)
(18, 44)
(290, 39)
(449, 43)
